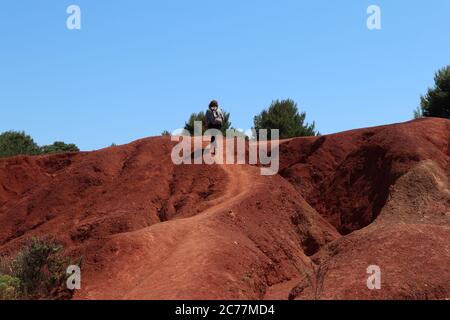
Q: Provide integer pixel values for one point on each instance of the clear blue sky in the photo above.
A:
(139, 67)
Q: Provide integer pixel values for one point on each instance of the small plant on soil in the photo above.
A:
(313, 280)
(38, 271)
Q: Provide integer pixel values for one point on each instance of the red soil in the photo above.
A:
(150, 230)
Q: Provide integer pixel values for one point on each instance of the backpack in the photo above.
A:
(218, 117)
(214, 118)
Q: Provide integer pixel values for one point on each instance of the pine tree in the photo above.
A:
(284, 115)
(436, 103)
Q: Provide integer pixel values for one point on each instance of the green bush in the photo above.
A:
(284, 115)
(41, 269)
(59, 147)
(9, 288)
(14, 143)
(436, 103)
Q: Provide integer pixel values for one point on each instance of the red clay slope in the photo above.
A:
(150, 230)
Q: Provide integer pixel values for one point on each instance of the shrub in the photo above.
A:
(59, 147)
(166, 133)
(9, 288)
(41, 270)
(436, 103)
(14, 143)
(284, 115)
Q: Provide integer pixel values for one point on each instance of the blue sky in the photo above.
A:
(139, 67)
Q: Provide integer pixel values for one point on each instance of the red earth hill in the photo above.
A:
(148, 229)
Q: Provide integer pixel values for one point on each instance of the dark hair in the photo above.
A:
(214, 103)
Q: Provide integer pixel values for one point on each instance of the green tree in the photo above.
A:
(284, 115)
(436, 103)
(418, 113)
(13, 143)
(226, 122)
(59, 147)
(189, 125)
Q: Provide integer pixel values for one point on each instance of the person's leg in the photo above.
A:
(213, 140)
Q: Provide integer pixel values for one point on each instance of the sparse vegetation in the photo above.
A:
(37, 272)
(166, 133)
(314, 280)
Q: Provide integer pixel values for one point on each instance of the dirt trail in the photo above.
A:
(241, 182)
(242, 244)
(177, 253)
